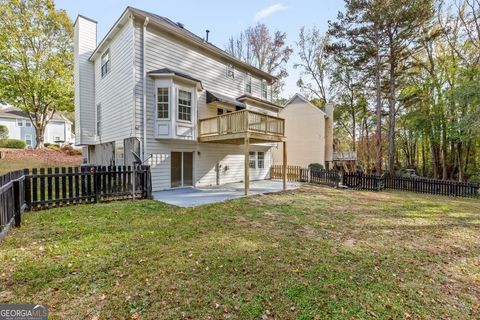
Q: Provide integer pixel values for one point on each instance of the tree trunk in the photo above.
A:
(461, 173)
(391, 113)
(378, 138)
(40, 133)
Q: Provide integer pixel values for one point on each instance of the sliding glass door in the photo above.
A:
(181, 169)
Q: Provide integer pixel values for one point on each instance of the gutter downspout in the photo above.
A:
(144, 153)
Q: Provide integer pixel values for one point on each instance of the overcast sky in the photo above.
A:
(223, 18)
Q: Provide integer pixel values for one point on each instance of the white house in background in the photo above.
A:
(58, 129)
(193, 112)
(309, 131)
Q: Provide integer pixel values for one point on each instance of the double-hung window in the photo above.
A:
(162, 103)
(260, 160)
(19, 122)
(184, 105)
(248, 83)
(256, 160)
(252, 160)
(28, 140)
(264, 90)
(105, 63)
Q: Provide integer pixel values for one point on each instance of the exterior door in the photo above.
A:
(181, 169)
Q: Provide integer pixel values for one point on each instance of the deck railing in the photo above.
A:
(241, 122)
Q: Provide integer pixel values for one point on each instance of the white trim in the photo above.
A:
(157, 86)
(192, 118)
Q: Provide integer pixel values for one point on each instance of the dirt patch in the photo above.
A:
(43, 157)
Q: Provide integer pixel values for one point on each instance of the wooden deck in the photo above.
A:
(244, 127)
(234, 127)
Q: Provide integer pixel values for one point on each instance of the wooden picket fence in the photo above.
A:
(300, 174)
(413, 184)
(54, 187)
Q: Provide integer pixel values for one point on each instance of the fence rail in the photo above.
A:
(420, 185)
(53, 187)
(300, 174)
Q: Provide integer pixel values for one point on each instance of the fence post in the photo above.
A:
(96, 183)
(27, 189)
(17, 205)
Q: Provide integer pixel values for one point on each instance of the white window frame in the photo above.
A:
(177, 111)
(264, 89)
(258, 160)
(107, 63)
(20, 123)
(31, 140)
(247, 81)
(28, 123)
(252, 158)
(230, 71)
(169, 103)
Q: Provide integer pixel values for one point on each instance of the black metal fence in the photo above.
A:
(299, 174)
(53, 187)
(413, 184)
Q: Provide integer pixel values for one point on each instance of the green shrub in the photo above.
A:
(315, 166)
(47, 144)
(3, 132)
(12, 144)
(71, 151)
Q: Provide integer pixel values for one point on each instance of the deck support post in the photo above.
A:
(284, 171)
(247, 164)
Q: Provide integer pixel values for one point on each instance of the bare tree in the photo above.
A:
(314, 63)
(262, 49)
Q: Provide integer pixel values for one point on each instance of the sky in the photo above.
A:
(223, 18)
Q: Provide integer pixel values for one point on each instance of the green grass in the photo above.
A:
(315, 253)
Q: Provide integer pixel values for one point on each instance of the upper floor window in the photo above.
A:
(99, 119)
(248, 83)
(264, 89)
(184, 105)
(28, 123)
(20, 122)
(230, 71)
(105, 63)
(162, 103)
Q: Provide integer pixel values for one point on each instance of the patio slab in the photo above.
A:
(191, 197)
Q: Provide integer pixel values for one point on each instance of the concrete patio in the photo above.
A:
(191, 197)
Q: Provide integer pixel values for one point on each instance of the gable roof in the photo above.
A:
(297, 97)
(15, 113)
(182, 32)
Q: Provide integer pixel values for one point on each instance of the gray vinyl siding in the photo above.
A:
(85, 43)
(165, 51)
(115, 91)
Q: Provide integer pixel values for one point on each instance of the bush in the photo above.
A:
(71, 151)
(12, 144)
(3, 132)
(315, 166)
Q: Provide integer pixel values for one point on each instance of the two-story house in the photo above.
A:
(57, 131)
(196, 114)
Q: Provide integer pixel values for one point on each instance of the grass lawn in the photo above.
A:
(313, 253)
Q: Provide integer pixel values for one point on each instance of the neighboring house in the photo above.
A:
(309, 131)
(193, 112)
(58, 129)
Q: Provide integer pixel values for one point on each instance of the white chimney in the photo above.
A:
(85, 43)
